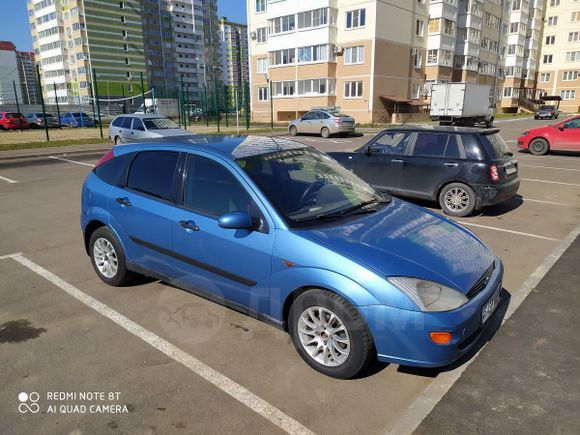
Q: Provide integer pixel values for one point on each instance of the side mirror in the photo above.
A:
(561, 127)
(237, 220)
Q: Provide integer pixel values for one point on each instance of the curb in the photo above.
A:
(45, 152)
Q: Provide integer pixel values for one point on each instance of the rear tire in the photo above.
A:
(329, 334)
(457, 200)
(539, 147)
(325, 132)
(489, 123)
(293, 131)
(118, 140)
(108, 258)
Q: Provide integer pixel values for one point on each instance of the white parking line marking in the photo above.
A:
(425, 403)
(547, 202)
(550, 182)
(4, 257)
(71, 161)
(8, 180)
(503, 230)
(235, 390)
(550, 167)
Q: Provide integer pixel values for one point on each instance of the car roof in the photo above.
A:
(228, 147)
(442, 129)
(142, 115)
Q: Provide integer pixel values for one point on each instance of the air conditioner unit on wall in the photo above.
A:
(253, 35)
(338, 49)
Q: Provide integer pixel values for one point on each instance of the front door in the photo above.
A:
(382, 165)
(141, 211)
(435, 157)
(231, 264)
(569, 137)
(306, 123)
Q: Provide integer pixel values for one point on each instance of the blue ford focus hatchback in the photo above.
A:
(284, 233)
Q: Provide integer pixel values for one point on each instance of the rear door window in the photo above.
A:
(127, 122)
(138, 124)
(118, 121)
(430, 145)
(114, 171)
(472, 147)
(152, 173)
(453, 149)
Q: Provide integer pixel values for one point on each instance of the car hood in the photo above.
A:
(405, 240)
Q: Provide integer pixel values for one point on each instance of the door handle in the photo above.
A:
(451, 164)
(124, 201)
(189, 225)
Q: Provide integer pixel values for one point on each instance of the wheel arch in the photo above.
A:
(540, 137)
(446, 183)
(91, 227)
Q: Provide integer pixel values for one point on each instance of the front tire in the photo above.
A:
(325, 132)
(539, 147)
(329, 334)
(293, 131)
(108, 258)
(457, 200)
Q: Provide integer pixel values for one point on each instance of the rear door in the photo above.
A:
(125, 129)
(435, 158)
(382, 165)
(138, 132)
(230, 264)
(142, 210)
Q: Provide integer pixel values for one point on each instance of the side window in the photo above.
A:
(325, 115)
(430, 145)
(452, 151)
(127, 122)
(394, 143)
(152, 172)
(309, 116)
(118, 121)
(575, 123)
(114, 171)
(212, 190)
(473, 149)
(138, 124)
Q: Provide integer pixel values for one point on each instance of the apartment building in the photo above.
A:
(9, 78)
(234, 53)
(560, 55)
(28, 77)
(181, 39)
(73, 37)
(365, 56)
(492, 42)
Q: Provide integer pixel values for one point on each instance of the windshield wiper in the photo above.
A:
(356, 207)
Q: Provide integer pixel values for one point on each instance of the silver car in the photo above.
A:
(139, 128)
(324, 122)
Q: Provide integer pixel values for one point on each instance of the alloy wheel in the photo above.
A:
(456, 199)
(105, 257)
(324, 337)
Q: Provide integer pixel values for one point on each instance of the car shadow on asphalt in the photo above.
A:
(501, 208)
(550, 153)
(487, 335)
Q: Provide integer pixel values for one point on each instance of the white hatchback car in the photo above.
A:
(137, 127)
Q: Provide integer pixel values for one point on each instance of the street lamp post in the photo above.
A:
(271, 100)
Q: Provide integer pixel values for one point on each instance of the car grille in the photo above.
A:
(481, 282)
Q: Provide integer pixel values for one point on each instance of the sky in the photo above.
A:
(14, 22)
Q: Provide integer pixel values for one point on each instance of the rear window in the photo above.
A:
(472, 147)
(152, 173)
(114, 171)
(118, 121)
(499, 147)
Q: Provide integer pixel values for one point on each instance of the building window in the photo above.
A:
(575, 16)
(282, 24)
(550, 40)
(315, 18)
(127, 61)
(355, 19)
(263, 94)
(312, 87)
(419, 28)
(568, 94)
(573, 36)
(353, 89)
(284, 89)
(354, 55)
(572, 56)
(262, 66)
(547, 58)
(283, 57)
(416, 91)
(507, 92)
(125, 47)
(123, 19)
(554, 3)
(315, 53)
(552, 21)
(569, 76)
(545, 77)
(417, 60)
(261, 35)
(261, 5)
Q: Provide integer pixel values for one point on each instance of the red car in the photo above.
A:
(12, 121)
(563, 136)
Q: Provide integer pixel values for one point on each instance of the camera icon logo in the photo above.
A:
(28, 402)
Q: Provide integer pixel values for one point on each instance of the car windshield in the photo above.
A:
(307, 186)
(13, 115)
(499, 146)
(547, 108)
(159, 124)
(78, 115)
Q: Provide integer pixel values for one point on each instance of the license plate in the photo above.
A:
(490, 305)
(510, 170)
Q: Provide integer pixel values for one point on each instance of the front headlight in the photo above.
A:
(429, 295)
(525, 133)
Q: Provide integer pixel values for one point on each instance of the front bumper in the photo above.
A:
(496, 193)
(402, 336)
(544, 115)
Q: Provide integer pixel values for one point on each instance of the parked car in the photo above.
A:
(282, 232)
(547, 112)
(141, 127)
(76, 119)
(12, 121)
(464, 169)
(323, 122)
(36, 120)
(563, 136)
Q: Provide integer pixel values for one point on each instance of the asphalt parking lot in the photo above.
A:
(181, 364)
